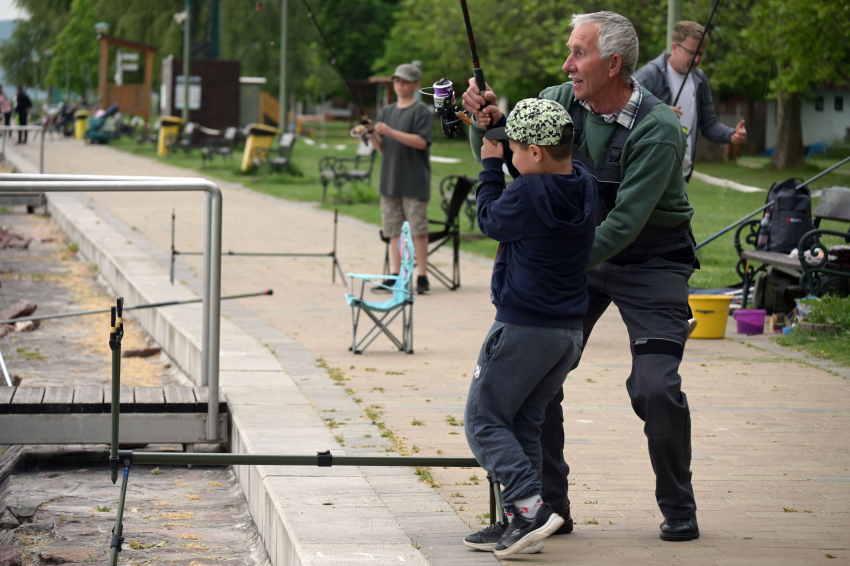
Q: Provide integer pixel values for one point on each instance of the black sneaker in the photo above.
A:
(567, 527)
(522, 533)
(486, 539)
(422, 285)
(386, 283)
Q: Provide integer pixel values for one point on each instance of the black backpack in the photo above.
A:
(788, 219)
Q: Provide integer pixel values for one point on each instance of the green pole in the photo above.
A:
(187, 53)
(118, 529)
(674, 15)
(116, 332)
(282, 93)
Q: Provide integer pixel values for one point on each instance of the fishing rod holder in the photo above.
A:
(451, 116)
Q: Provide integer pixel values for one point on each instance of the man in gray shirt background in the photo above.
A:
(664, 75)
(402, 133)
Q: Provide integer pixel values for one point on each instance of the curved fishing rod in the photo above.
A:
(335, 61)
(696, 52)
(753, 213)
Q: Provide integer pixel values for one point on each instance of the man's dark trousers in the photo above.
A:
(22, 121)
(653, 300)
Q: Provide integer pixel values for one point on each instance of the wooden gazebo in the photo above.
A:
(131, 99)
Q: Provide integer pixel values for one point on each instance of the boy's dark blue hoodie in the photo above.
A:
(545, 226)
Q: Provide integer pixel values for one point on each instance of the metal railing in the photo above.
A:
(123, 459)
(4, 129)
(210, 342)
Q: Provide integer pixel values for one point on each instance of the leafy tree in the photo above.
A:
(34, 35)
(808, 43)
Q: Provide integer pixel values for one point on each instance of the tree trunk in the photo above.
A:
(789, 132)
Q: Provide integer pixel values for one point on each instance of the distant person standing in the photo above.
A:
(663, 77)
(5, 109)
(402, 133)
(23, 104)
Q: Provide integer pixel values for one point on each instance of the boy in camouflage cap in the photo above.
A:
(544, 223)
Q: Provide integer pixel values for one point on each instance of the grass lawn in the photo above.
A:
(716, 207)
(835, 347)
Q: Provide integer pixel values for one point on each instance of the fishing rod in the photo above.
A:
(753, 213)
(144, 306)
(335, 62)
(696, 52)
(451, 115)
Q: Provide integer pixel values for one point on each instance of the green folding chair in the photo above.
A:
(383, 313)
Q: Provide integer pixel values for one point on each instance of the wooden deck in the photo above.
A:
(88, 399)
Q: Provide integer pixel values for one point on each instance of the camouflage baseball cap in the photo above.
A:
(408, 72)
(534, 121)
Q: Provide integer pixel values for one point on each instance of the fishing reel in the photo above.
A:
(451, 116)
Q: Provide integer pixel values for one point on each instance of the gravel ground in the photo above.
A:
(57, 504)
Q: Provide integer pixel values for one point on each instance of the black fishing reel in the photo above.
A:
(451, 116)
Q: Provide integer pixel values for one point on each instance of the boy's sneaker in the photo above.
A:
(522, 533)
(422, 285)
(386, 283)
(486, 539)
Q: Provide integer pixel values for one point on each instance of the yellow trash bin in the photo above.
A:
(81, 124)
(260, 137)
(712, 313)
(169, 129)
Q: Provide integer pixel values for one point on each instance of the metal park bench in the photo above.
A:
(342, 171)
(219, 147)
(277, 159)
(283, 159)
(828, 264)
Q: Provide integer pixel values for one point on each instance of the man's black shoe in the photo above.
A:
(386, 283)
(486, 539)
(522, 533)
(567, 527)
(680, 529)
(422, 285)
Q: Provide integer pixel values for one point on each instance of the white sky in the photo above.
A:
(9, 11)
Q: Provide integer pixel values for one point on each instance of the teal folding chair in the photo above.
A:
(383, 313)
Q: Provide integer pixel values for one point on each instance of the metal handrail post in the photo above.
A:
(212, 249)
(41, 152)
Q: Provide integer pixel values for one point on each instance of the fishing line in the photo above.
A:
(334, 60)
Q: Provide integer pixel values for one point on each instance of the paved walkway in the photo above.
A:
(770, 454)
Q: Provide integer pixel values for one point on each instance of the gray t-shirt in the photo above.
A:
(405, 171)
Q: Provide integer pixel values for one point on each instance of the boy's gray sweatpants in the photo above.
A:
(520, 370)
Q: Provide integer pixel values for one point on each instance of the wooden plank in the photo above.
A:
(89, 399)
(127, 401)
(834, 204)
(27, 400)
(150, 400)
(57, 400)
(202, 394)
(179, 399)
(6, 394)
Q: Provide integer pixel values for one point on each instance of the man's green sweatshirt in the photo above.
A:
(652, 187)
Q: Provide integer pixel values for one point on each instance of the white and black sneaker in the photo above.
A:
(487, 538)
(521, 533)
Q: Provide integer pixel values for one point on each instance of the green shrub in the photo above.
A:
(829, 309)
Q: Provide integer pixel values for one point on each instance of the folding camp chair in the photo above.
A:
(400, 303)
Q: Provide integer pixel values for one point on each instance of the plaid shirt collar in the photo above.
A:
(626, 116)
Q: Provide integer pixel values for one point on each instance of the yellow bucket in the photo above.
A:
(711, 312)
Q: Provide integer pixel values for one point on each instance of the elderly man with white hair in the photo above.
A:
(642, 257)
